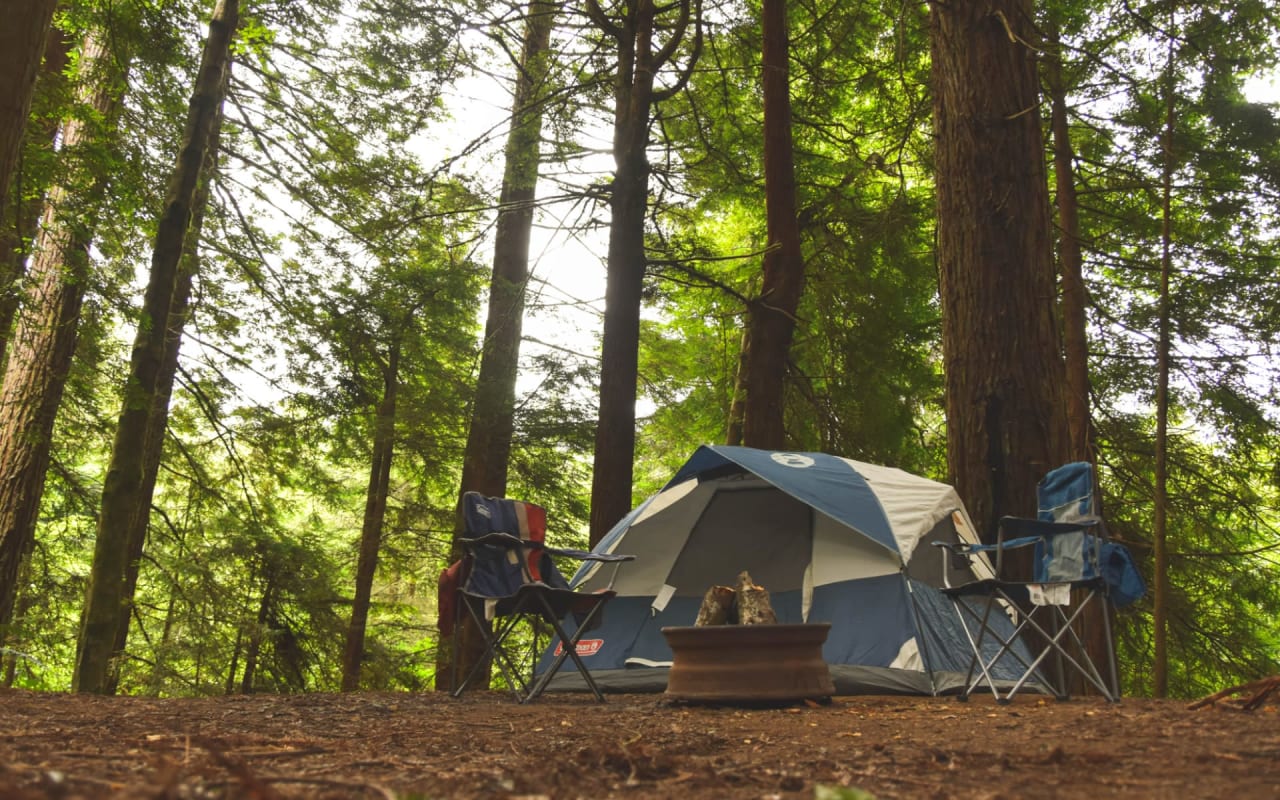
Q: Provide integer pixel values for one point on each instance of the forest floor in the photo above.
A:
(633, 746)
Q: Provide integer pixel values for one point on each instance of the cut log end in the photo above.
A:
(717, 607)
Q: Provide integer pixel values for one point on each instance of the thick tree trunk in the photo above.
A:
(773, 315)
(19, 225)
(1006, 423)
(22, 42)
(124, 479)
(44, 341)
(488, 453)
(375, 511)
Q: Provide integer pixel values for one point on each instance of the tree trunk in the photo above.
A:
(1006, 424)
(22, 42)
(124, 479)
(157, 424)
(1159, 527)
(375, 511)
(253, 650)
(773, 315)
(634, 95)
(619, 347)
(1071, 263)
(1092, 626)
(738, 405)
(44, 341)
(18, 227)
(488, 453)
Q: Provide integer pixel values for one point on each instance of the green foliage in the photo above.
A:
(1147, 65)
(864, 368)
(345, 223)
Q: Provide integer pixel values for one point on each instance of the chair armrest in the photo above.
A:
(587, 555)
(496, 539)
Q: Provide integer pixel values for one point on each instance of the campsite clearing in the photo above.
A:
(634, 746)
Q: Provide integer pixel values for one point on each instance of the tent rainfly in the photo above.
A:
(832, 539)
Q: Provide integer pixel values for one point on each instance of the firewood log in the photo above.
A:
(717, 607)
(754, 607)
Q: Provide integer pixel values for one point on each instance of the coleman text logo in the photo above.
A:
(586, 647)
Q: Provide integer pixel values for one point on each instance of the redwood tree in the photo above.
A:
(22, 43)
(20, 222)
(44, 340)
(1006, 423)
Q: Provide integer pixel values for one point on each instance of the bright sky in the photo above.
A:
(1263, 89)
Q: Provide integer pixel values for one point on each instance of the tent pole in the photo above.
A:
(921, 644)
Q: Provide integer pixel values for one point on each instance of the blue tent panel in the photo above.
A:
(826, 483)
(874, 616)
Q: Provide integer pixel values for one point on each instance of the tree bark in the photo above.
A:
(253, 650)
(1071, 262)
(773, 315)
(375, 511)
(18, 226)
(1092, 626)
(738, 405)
(1006, 424)
(124, 479)
(633, 31)
(44, 340)
(157, 424)
(1160, 524)
(22, 41)
(488, 452)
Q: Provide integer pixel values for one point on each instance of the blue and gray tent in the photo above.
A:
(832, 540)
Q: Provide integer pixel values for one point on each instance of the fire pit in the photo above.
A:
(748, 663)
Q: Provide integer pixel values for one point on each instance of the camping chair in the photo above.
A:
(506, 576)
(1074, 569)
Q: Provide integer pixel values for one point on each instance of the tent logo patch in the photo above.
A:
(586, 647)
(793, 460)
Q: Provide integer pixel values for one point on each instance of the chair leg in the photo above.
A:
(1054, 642)
(494, 652)
(1111, 652)
(568, 649)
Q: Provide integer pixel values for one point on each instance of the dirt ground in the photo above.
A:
(634, 746)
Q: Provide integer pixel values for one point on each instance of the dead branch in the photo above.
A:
(1258, 692)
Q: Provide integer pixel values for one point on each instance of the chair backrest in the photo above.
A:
(499, 571)
(1066, 495)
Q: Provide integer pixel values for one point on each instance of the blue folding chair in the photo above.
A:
(1074, 569)
(506, 577)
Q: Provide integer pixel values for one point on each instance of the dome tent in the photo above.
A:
(832, 540)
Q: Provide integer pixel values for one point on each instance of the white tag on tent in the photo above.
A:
(664, 596)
